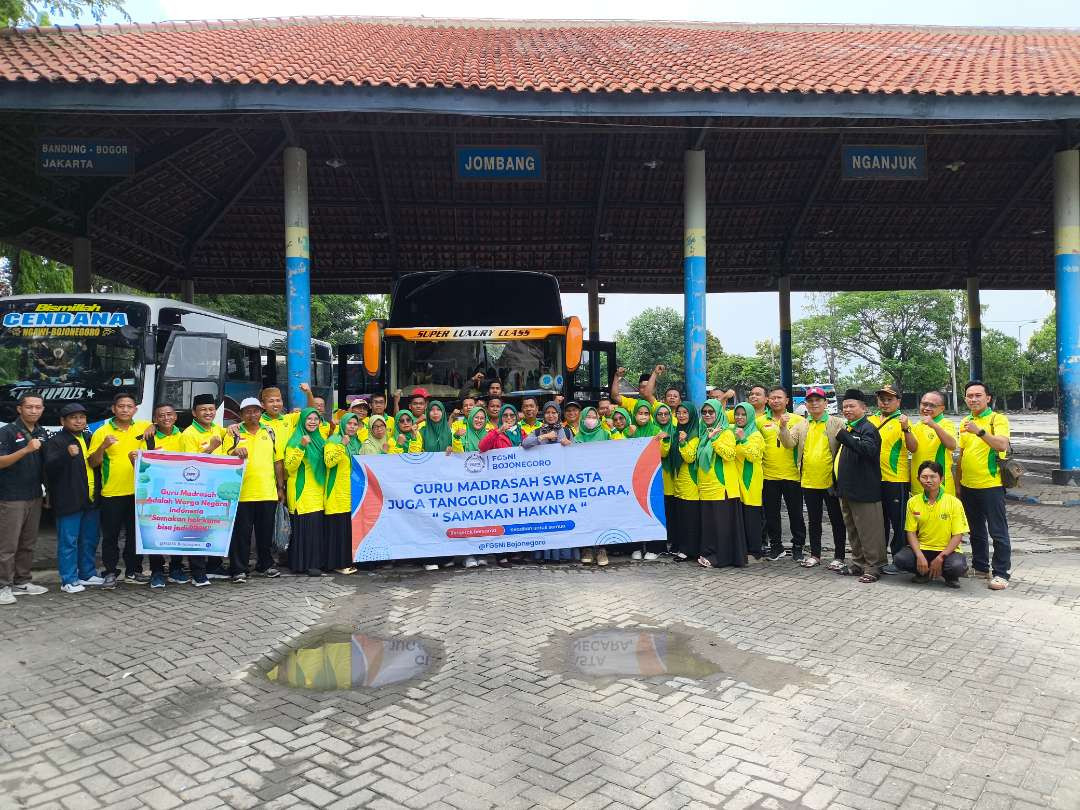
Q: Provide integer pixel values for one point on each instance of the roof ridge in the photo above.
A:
(97, 29)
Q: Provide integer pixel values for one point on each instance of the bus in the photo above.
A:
(87, 347)
(798, 397)
(445, 327)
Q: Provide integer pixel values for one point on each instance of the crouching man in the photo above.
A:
(935, 524)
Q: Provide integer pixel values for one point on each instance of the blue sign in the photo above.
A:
(518, 163)
(84, 156)
(885, 162)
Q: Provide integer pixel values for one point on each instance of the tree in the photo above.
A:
(1041, 357)
(22, 272)
(334, 318)
(1002, 364)
(27, 12)
(901, 335)
(656, 336)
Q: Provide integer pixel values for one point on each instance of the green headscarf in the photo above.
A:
(470, 442)
(650, 428)
(706, 456)
(397, 423)
(597, 434)
(626, 416)
(691, 430)
(670, 430)
(513, 435)
(352, 444)
(371, 445)
(313, 453)
(436, 436)
(748, 431)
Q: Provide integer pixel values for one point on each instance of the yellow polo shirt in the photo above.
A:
(283, 424)
(260, 478)
(117, 473)
(931, 449)
(817, 463)
(894, 453)
(935, 523)
(197, 438)
(979, 463)
(173, 443)
(779, 463)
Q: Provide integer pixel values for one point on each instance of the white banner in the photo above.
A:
(504, 501)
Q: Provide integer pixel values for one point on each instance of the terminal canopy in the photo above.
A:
(390, 111)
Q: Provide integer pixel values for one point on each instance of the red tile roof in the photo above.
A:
(554, 56)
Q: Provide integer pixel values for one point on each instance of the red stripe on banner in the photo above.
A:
(228, 461)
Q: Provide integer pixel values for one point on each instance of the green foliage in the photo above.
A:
(1002, 363)
(656, 336)
(26, 12)
(334, 318)
(22, 272)
(1041, 357)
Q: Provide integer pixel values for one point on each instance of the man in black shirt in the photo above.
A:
(20, 498)
(858, 483)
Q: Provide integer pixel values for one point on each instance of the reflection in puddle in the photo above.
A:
(643, 653)
(338, 660)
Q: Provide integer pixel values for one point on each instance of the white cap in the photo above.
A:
(249, 401)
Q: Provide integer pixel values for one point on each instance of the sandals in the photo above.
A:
(810, 562)
(704, 563)
(849, 571)
(866, 579)
(835, 565)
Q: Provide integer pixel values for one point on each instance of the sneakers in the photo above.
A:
(586, 556)
(200, 581)
(918, 579)
(137, 578)
(601, 557)
(890, 570)
(94, 580)
(179, 577)
(835, 565)
(6, 596)
(217, 575)
(636, 555)
(157, 581)
(72, 587)
(996, 584)
(469, 562)
(431, 567)
(28, 589)
(269, 573)
(680, 556)
(952, 583)
(779, 555)
(239, 578)
(978, 574)
(796, 556)
(109, 583)
(650, 556)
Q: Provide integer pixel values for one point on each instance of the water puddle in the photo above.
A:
(658, 654)
(340, 659)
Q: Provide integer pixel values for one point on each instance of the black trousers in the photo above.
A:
(752, 522)
(118, 515)
(894, 498)
(257, 516)
(951, 570)
(176, 563)
(985, 509)
(791, 493)
(818, 501)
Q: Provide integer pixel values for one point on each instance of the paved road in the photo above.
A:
(649, 685)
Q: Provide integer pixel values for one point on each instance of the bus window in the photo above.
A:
(241, 363)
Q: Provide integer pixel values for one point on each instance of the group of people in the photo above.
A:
(886, 484)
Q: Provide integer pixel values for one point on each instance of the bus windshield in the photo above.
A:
(444, 368)
(69, 350)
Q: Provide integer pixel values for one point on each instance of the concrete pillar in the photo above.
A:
(975, 367)
(187, 291)
(594, 334)
(786, 374)
(1067, 285)
(297, 274)
(81, 264)
(694, 275)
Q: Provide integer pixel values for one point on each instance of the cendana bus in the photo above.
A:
(87, 347)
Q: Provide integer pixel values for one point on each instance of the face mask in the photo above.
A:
(591, 423)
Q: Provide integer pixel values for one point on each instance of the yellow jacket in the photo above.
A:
(685, 485)
(720, 487)
(311, 498)
(750, 469)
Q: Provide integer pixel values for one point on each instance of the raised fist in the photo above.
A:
(73, 450)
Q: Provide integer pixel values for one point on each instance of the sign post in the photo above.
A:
(883, 162)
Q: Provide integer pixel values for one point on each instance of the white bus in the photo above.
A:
(71, 347)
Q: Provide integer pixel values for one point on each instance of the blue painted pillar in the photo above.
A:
(786, 381)
(694, 275)
(974, 307)
(1067, 284)
(297, 274)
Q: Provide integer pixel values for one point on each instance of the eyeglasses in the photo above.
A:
(925, 404)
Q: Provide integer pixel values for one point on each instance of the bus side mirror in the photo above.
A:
(373, 341)
(572, 344)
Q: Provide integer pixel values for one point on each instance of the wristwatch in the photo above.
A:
(981, 433)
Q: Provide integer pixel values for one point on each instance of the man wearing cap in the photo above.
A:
(261, 488)
(858, 483)
(572, 415)
(273, 405)
(21, 477)
(897, 440)
(203, 435)
(815, 444)
(73, 486)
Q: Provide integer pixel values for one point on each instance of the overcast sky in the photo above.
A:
(737, 318)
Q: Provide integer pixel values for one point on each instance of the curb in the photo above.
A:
(1041, 501)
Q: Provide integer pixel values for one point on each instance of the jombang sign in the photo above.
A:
(503, 501)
